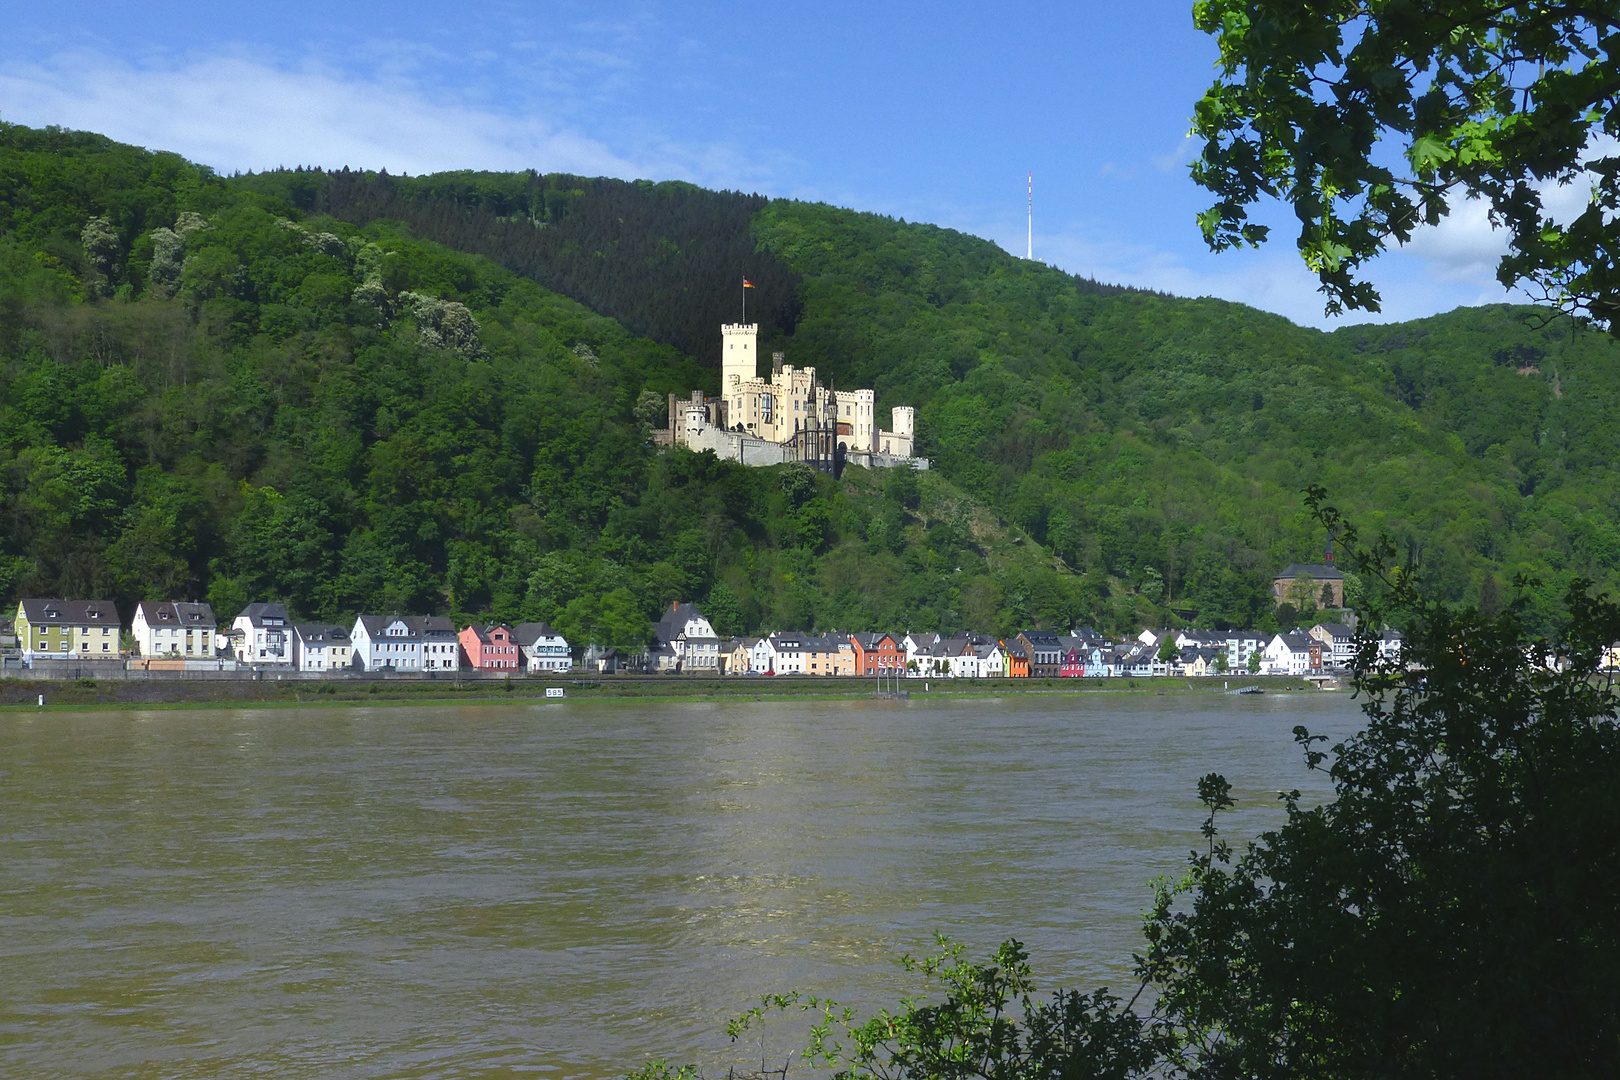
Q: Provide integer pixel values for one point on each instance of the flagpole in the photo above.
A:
(745, 301)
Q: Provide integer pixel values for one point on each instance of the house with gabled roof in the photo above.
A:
(321, 647)
(406, 643)
(49, 629)
(1338, 644)
(262, 635)
(875, 652)
(786, 653)
(490, 648)
(542, 649)
(992, 658)
(1293, 653)
(685, 631)
(174, 629)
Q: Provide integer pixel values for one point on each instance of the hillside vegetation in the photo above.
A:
(205, 397)
(360, 392)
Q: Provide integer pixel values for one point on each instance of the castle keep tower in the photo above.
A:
(739, 362)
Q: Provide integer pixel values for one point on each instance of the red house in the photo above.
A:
(877, 652)
(490, 648)
(1074, 664)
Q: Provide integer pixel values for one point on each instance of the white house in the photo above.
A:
(787, 653)
(321, 647)
(920, 650)
(1289, 654)
(406, 643)
(262, 636)
(959, 658)
(992, 661)
(1138, 660)
(1390, 645)
(1238, 645)
(543, 648)
(441, 647)
(164, 628)
(759, 656)
(691, 637)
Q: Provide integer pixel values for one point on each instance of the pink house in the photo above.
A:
(490, 648)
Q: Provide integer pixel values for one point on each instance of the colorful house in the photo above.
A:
(1017, 661)
(490, 648)
(739, 656)
(877, 652)
(67, 630)
(1074, 663)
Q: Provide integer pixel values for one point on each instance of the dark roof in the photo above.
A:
(432, 625)
(1337, 630)
(75, 612)
(315, 631)
(673, 623)
(180, 613)
(1044, 639)
(375, 624)
(870, 640)
(527, 633)
(1298, 640)
(1319, 571)
(256, 614)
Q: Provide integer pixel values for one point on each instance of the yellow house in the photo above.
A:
(740, 658)
(1198, 663)
(831, 654)
(67, 629)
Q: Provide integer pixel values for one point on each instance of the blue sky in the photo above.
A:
(930, 112)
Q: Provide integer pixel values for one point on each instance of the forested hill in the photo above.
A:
(360, 392)
(666, 260)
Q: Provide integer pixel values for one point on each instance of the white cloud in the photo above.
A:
(1464, 246)
(239, 113)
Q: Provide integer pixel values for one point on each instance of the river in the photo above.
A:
(567, 889)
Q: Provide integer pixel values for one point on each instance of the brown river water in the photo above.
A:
(569, 889)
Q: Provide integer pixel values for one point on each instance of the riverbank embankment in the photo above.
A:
(17, 694)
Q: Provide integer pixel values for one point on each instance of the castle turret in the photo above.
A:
(905, 419)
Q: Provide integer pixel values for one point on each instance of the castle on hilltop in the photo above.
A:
(790, 417)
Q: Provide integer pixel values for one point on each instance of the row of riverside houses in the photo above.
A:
(174, 635)
(179, 636)
(685, 641)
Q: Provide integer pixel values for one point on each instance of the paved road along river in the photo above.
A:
(566, 889)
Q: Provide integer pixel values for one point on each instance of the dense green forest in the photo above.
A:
(359, 392)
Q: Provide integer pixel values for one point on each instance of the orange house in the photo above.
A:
(490, 648)
(877, 652)
(1017, 661)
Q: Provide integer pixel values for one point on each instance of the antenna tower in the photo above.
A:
(1029, 253)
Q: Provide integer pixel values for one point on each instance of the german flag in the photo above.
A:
(747, 284)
